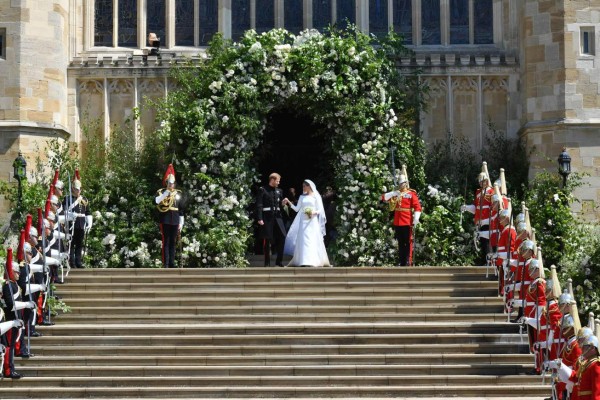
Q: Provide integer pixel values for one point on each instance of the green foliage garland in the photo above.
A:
(345, 80)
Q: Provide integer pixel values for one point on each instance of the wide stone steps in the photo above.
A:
(279, 333)
(58, 349)
(279, 318)
(159, 359)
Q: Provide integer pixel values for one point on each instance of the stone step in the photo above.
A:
(202, 301)
(155, 318)
(212, 292)
(168, 377)
(378, 373)
(273, 339)
(315, 284)
(293, 389)
(416, 329)
(157, 277)
(465, 308)
(337, 271)
(266, 359)
(56, 348)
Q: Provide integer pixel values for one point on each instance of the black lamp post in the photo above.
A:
(20, 173)
(564, 165)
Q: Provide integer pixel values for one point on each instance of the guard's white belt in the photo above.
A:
(269, 209)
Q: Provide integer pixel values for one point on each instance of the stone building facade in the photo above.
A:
(526, 67)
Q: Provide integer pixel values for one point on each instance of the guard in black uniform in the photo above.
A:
(168, 202)
(270, 219)
(77, 206)
(12, 306)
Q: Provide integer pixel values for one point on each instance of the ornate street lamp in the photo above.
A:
(564, 165)
(20, 173)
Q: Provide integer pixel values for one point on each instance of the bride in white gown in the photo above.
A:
(304, 240)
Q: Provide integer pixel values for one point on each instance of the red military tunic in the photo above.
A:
(569, 356)
(483, 203)
(587, 381)
(535, 297)
(405, 203)
(495, 226)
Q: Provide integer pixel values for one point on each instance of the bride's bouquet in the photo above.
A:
(308, 211)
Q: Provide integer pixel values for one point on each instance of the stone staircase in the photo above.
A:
(279, 333)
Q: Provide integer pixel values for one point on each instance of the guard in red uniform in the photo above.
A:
(569, 354)
(585, 376)
(407, 211)
(481, 210)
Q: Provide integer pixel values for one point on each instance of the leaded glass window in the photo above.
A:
(265, 15)
(430, 21)
(184, 22)
(484, 22)
(240, 18)
(292, 15)
(403, 19)
(209, 20)
(378, 17)
(155, 19)
(346, 13)
(321, 14)
(128, 23)
(459, 21)
(103, 23)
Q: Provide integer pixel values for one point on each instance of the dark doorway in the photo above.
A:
(297, 148)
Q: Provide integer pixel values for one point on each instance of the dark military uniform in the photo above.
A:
(268, 209)
(80, 207)
(10, 294)
(170, 214)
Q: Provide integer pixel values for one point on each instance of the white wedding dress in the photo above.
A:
(305, 237)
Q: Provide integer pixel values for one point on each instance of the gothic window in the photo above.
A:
(240, 18)
(378, 17)
(265, 15)
(184, 22)
(402, 11)
(459, 21)
(209, 20)
(484, 21)
(346, 13)
(128, 23)
(293, 15)
(430, 20)
(321, 14)
(103, 23)
(155, 19)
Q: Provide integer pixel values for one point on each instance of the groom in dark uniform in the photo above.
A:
(270, 220)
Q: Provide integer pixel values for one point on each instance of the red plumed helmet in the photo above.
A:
(21, 248)
(8, 271)
(169, 175)
(50, 191)
(47, 208)
(55, 178)
(77, 176)
(28, 225)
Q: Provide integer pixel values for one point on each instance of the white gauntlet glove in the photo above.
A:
(416, 218)
(162, 196)
(181, 219)
(88, 223)
(470, 208)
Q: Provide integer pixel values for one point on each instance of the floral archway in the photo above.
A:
(345, 80)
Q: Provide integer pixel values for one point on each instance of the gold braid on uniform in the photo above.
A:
(392, 203)
(167, 203)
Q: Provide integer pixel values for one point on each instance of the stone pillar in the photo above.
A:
(33, 89)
